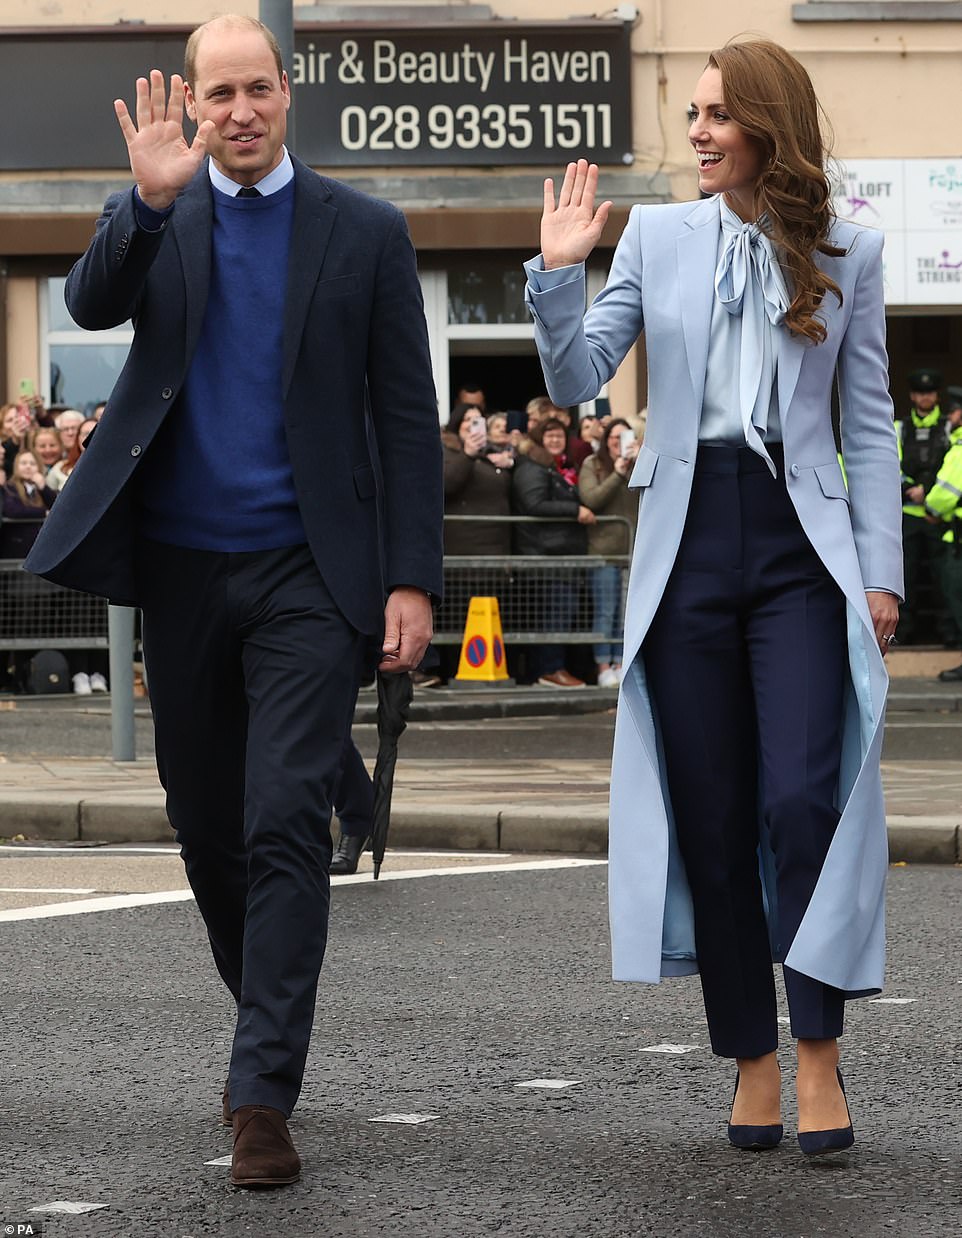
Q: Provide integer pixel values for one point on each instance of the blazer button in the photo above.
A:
(795, 470)
(136, 450)
(167, 392)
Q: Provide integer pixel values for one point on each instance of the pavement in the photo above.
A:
(546, 800)
(474, 1071)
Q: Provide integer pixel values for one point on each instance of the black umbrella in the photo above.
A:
(394, 693)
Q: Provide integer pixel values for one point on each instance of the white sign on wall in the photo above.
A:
(917, 203)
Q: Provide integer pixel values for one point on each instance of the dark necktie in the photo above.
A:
(248, 192)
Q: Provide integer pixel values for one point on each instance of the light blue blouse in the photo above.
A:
(740, 404)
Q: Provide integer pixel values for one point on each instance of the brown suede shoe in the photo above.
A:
(225, 1113)
(264, 1153)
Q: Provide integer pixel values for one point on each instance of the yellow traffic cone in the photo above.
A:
(482, 649)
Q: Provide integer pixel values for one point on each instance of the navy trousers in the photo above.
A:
(354, 794)
(747, 664)
(253, 678)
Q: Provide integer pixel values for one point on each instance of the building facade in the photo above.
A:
(457, 112)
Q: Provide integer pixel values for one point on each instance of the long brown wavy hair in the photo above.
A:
(770, 95)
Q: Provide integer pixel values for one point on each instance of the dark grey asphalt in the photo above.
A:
(440, 994)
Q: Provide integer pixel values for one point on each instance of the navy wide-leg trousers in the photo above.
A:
(746, 661)
(253, 676)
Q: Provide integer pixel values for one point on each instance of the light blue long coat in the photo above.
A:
(661, 281)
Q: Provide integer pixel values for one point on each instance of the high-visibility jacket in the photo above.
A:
(945, 497)
(923, 442)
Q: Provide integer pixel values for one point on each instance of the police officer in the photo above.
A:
(943, 509)
(923, 442)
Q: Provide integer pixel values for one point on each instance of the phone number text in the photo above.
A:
(468, 126)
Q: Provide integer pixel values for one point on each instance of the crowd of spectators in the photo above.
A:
(535, 462)
(39, 448)
(540, 463)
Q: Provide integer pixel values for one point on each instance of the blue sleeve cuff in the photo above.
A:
(540, 280)
(149, 220)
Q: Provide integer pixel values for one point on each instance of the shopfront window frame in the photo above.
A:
(73, 336)
(442, 333)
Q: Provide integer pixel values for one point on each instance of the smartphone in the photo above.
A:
(627, 439)
(26, 387)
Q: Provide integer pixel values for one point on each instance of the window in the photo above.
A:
(82, 365)
(877, 10)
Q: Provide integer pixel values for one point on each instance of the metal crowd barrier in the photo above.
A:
(535, 593)
(531, 589)
(35, 614)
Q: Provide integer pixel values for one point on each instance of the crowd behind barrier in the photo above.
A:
(538, 514)
(35, 614)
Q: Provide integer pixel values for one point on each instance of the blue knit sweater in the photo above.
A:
(218, 476)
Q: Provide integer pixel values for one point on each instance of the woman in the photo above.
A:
(603, 486)
(15, 425)
(591, 431)
(24, 502)
(47, 445)
(477, 482)
(552, 435)
(498, 436)
(763, 594)
(68, 426)
(538, 488)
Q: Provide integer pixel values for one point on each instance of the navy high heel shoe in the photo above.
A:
(815, 1143)
(754, 1138)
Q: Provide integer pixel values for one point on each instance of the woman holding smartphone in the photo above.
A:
(746, 806)
(603, 486)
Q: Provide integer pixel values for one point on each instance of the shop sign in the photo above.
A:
(918, 205)
(505, 94)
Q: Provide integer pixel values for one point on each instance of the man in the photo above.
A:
(230, 492)
(923, 442)
(943, 513)
(470, 393)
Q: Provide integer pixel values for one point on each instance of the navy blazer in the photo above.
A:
(360, 410)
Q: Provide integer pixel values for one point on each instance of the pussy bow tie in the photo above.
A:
(749, 283)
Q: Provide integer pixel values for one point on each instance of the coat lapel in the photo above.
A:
(696, 250)
(193, 222)
(790, 354)
(314, 217)
(792, 350)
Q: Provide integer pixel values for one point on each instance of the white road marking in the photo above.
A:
(113, 902)
(117, 902)
(118, 849)
(520, 866)
(446, 855)
(42, 890)
(676, 1049)
(66, 1205)
(892, 1001)
(554, 1084)
(406, 1119)
(221, 1160)
(85, 851)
